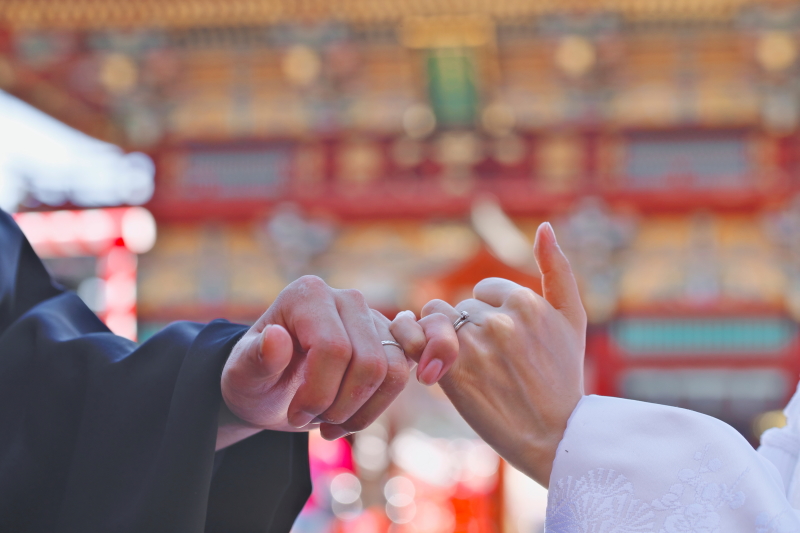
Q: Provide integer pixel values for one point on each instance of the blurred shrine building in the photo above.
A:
(409, 149)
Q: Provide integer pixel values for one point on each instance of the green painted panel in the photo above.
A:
(453, 92)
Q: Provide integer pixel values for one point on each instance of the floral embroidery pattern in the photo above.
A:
(603, 501)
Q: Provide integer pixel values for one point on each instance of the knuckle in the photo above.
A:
(338, 348)
(432, 307)
(521, 298)
(397, 376)
(354, 295)
(499, 324)
(310, 282)
(372, 370)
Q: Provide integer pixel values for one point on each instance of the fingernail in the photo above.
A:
(431, 372)
(336, 433)
(550, 233)
(407, 312)
(261, 338)
(301, 419)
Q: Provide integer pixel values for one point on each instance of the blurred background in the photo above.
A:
(186, 159)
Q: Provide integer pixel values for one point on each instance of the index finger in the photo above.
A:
(441, 350)
(314, 321)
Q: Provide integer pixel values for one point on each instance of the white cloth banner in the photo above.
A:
(56, 164)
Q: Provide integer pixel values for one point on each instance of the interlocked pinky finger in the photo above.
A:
(440, 306)
(409, 333)
(441, 348)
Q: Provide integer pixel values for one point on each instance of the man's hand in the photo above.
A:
(314, 359)
(519, 374)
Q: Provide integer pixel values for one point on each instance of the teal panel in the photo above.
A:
(644, 337)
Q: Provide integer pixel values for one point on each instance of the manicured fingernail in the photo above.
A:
(336, 433)
(301, 419)
(430, 374)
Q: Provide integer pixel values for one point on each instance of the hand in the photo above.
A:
(519, 374)
(314, 359)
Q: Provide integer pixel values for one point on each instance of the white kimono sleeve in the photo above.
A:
(625, 466)
(781, 447)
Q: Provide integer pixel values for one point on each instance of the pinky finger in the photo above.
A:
(409, 334)
(440, 306)
(441, 350)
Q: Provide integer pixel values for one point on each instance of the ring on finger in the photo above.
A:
(461, 320)
(393, 343)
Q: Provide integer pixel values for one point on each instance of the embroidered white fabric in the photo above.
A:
(631, 467)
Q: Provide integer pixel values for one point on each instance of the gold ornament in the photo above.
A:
(575, 56)
(776, 51)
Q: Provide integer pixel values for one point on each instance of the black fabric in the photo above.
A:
(99, 434)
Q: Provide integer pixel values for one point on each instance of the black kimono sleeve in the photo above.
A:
(98, 434)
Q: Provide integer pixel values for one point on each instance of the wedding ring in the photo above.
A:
(393, 343)
(463, 319)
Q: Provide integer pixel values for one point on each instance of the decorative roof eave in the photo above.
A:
(100, 14)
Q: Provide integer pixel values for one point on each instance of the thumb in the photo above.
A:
(275, 350)
(559, 287)
(258, 359)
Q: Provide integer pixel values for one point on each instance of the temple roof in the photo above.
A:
(97, 14)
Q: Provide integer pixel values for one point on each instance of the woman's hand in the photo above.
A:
(519, 373)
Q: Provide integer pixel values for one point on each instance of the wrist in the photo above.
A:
(538, 456)
(535, 458)
(232, 429)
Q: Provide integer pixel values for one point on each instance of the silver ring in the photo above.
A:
(463, 319)
(393, 343)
